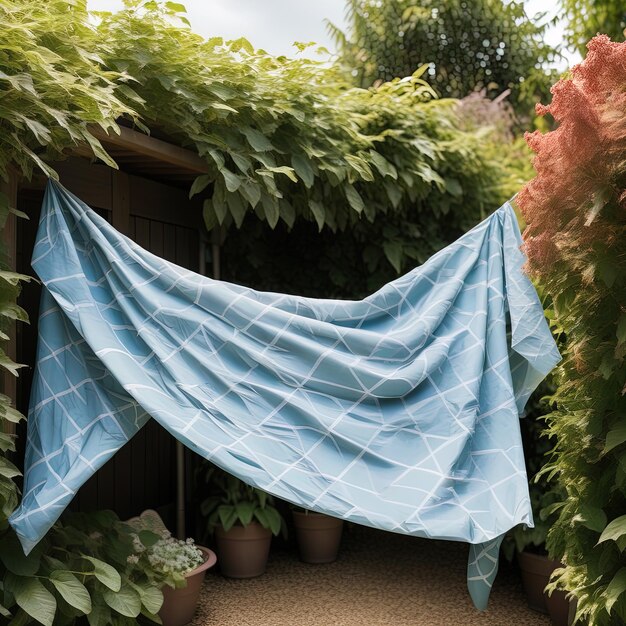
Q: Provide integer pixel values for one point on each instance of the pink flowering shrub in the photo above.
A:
(575, 240)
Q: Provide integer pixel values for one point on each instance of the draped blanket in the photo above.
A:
(399, 411)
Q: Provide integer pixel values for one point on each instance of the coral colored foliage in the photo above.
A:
(575, 210)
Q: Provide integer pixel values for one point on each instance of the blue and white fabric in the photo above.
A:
(399, 411)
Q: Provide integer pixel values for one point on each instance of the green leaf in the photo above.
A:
(71, 590)
(274, 520)
(105, 573)
(245, 512)
(233, 181)
(228, 516)
(14, 279)
(251, 191)
(175, 7)
(283, 169)
(257, 140)
(382, 165)
(453, 187)
(100, 614)
(126, 601)
(591, 517)
(241, 44)
(151, 597)
(199, 184)
(394, 254)
(14, 559)
(318, 213)
(237, 209)
(614, 530)
(616, 588)
(303, 169)
(13, 311)
(615, 438)
(98, 150)
(355, 200)
(272, 211)
(7, 469)
(9, 364)
(243, 163)
(34, 599)
(148, 537)
(621, 329)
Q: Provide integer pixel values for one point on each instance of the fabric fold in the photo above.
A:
(399, 411)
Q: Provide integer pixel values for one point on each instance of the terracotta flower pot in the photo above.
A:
(536, 570)
(318, 536)
(558, 607)
(179, 605)
(243, 550)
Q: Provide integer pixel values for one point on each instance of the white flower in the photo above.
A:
(174, 556)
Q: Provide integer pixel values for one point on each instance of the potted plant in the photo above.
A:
(181, 564)
(318, 536)
(529, 544)
(243, 520)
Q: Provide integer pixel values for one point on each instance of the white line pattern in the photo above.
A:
(398, 411)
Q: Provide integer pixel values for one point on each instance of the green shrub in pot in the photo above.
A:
(233, 502)
(243, 520)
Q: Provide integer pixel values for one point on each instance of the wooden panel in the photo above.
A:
(161, 151)
(91, 182)
(162, 220)
(120, 201)
(156, 201)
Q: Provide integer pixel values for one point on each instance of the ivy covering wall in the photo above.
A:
(575, 209)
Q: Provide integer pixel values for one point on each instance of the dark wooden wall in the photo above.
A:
(160, 218)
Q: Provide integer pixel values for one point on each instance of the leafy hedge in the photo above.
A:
(287, 141)
(575, 210)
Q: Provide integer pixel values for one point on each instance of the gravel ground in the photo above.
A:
(380, 579)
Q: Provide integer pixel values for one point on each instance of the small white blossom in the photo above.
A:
(175, 556)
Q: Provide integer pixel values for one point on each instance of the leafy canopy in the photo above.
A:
(586, 18)
(468, 45)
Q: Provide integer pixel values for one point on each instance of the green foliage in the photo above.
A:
(576, 244)
(53, 87)
(233, 502)
(54, 84)
(585, 19)
(286, 139)
(289, 144)
(468, 46)
(89, 565)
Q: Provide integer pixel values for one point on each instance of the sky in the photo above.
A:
(275, 24)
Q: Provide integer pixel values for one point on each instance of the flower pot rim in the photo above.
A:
(250, 525)
(540, 557)
(307, 513)
(210, 561)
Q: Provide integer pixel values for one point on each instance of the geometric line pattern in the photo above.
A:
(399, 411)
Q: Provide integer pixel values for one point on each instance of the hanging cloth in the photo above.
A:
(399, 411)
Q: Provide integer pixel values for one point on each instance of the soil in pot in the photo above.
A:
(179, 605)
(243, 550)
(318, 536)
(536, 570)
